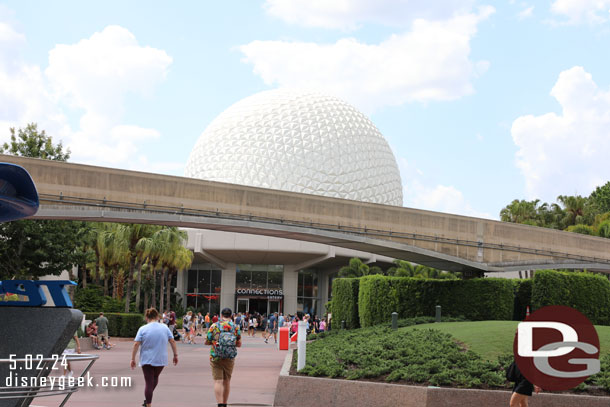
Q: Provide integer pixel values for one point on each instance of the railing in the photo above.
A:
(43, 366)
(354, 230)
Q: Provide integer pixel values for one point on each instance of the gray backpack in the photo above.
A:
(227, 344)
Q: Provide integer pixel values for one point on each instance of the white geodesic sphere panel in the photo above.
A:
(299, 141)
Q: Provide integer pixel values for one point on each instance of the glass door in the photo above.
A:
(242, 305)
(274, 306)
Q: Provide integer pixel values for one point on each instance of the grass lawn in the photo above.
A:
(493, 338)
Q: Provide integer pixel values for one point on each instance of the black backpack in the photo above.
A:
(513, 373)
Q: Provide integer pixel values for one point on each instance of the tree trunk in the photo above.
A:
(114, 283)
(145, 300)
(154, 288)
(162, 289)
(106, 278)
(97, 274)
(168, 303)
(139, 287)
(120, 285)
(132, 266)
(84, 276)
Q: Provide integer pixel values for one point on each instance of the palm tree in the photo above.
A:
(155, 250)
(574, 207)
(355, 268)
(173, 240)
(183, 258)
(141, 261)
(521, 211)
(131, 235)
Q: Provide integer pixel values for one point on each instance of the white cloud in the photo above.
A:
(92, 78)
(96, 73)
(582, 11)
(428, 63)
(24, 95)
(348, 14)
(526, 13)
(440, 198)
(566, 153)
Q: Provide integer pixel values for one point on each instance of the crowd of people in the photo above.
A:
(197, 324)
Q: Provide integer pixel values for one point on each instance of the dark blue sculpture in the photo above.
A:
(18, 196)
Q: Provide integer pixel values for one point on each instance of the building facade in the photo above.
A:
(265, 274)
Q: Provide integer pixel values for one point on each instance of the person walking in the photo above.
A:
(272, 327)
(251, 328)
(102, 330)
(280, 320)
(152, 340)
(225, 338)
(172, 320)
(207, 321)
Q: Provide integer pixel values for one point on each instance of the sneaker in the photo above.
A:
(266, 340)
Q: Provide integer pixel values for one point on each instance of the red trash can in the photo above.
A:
(284, 338)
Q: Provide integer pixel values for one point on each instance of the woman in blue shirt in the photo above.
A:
(152, 338)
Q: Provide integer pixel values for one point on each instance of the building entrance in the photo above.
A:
(258, 304)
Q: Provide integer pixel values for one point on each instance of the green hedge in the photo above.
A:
(345, 302)
(588, 293)
(523, 298)
(121, 325)
(476, 299)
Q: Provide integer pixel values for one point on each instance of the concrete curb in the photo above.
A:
(302, 391)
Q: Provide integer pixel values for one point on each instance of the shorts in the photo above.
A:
(102, 335)
(222, 369)
(523, 387)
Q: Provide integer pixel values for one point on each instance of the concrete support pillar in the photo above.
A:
(291, 285)
(227, 287)
(181, 279)
(323, 290)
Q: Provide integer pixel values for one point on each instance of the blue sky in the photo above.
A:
(481, 102)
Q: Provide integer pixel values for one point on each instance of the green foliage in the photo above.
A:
(356, 268)
(120, 325)
(582, 229)
(523, 298)
(28, 248)
(91, 299)
(600, 198)
(404, 268)
(602, 379)
(603, 230)
(586, 292)
(476, 299)
(417, 356)
(345, 302)
(29, 142)
(33, 248)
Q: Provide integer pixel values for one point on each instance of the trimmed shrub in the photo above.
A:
(523, 298)
(121, 325)
(476, 299)
(586, 292)
(345, 302)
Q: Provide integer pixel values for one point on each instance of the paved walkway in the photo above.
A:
(257, 368)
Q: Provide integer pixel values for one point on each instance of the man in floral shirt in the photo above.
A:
(224, 336)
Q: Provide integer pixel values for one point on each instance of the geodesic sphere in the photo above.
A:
(299, 141)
